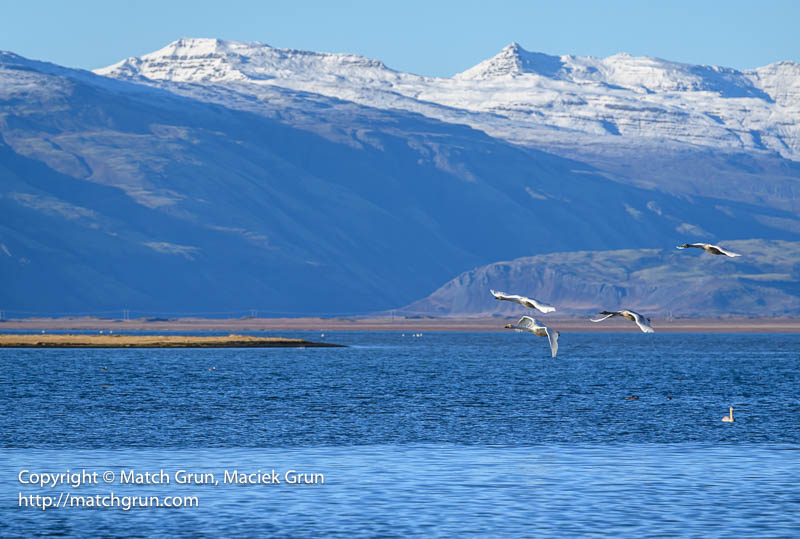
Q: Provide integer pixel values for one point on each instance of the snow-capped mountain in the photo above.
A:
(622, 114)
(620, 95)
(216, 60)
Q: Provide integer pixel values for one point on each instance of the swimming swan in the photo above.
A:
(530, 303)
(729, 418)
(707, 247)
(526, 323)
(633, 316)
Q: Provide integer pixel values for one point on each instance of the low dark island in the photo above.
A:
(153, 341)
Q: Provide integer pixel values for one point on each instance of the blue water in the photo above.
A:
(448, 434)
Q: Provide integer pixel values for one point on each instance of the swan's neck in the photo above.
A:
(731, 412)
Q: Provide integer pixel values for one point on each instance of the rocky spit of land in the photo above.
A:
(151, 341)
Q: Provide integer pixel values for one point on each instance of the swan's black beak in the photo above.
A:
(508, 325)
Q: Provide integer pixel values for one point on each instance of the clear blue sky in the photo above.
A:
(427, 37)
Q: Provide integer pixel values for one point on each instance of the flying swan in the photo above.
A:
(641, 321)
(526, 323)
(530, 303)
(707, 247)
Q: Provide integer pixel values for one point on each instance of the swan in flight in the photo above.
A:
(526, 323)
(633, 316)
(729, 418)
(707, 247)
(530, 303)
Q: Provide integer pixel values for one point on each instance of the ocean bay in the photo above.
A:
(444, 433)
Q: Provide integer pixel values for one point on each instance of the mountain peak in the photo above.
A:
(621, 71)
(513, 60)
(190, 59)
(198, 46)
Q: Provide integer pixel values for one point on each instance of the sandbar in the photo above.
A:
(152, 341)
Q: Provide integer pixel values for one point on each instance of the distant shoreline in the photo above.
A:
(488, 324)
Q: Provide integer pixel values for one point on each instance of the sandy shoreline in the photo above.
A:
(730, 325)
(35, 340)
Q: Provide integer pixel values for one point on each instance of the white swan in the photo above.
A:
(729, 418)
(633, 316)
(526, 323)
(707, 247)
(530, 303)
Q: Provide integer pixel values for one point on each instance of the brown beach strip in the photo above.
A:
(152, 341)
(677, 325)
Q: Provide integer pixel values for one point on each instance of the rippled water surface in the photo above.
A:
(445, 434)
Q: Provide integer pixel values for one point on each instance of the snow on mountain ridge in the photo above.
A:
(781, 80)
(219, 61)
(622, 70)
(563, 104)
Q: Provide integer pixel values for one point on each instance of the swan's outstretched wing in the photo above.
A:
(526, 322)
(541, 306)
(726, 252)
(552, 336)
(507, 297)
(607, 315)
(642, 322)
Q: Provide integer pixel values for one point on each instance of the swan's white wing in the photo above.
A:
(644, 326)
(527, 322)
(726, 252)
(552, 336)
(609, 315)
(542, 306)
(531, 303)
(641, 321)
(508, 297)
